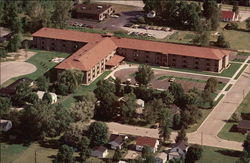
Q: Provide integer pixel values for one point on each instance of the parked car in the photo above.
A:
(172, 79)
(114, 16)
(128, 25)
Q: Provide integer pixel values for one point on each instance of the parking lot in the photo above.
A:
(162, 78)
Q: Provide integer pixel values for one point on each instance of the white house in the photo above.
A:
(116, 141)
(140, 103)
(146, 141)
(161, 157)
(5, 125)
(53, 96)
(178, 150)
(99, 151)
(140, 108)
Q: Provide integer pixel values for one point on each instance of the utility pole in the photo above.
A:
(35, 156)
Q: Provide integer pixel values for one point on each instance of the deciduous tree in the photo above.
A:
(65, 155)
(182, 136)
(98, 133)
(194, 153)
(144, 75)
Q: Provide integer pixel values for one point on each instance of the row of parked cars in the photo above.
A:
(77, 24)
(140, 34)
(144, 26)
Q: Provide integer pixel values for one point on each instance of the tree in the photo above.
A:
(65, 155)
(61, 13)
(153, 109)
(194, 153)
(32, 98)
(244, 158)
(248, 23)
(119, 90)
(211, 12)
(128, 108)
(150, 159)
(14, 43)
(165, 124)
(211, 84)
(236, 7)
(42, 83)
(2, 4)
(83, 111)
(117, 155)
(3, 52)
(146, 151)
(84, 149)
(42, 119)
(202, 39)
(176, 121)
(236, 117)
(74, 135)
(98, 133)
(221, 42)
(5, 105)
(22, 92)
(167, 98)
(177, 91)
(144, 75)
(182, 136)
(62, 89)
(246, 144)
(103, 88)
(47, 97)
(71, 78)
(10, 14)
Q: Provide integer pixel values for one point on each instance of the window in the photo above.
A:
(42, 42)
(146, 61)
(173, 64)
(208, 69)
(196, 63)
(208, 64)
(135, 60)
(184, 61)
(174, 60)
(196, 67)
(147, 56)
(63, 45)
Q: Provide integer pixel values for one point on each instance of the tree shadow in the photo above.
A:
(233, 129)
(245, 116)
(229, 153)
(54, 144)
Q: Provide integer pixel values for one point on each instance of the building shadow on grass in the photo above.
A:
(229, 153)
(245, 116)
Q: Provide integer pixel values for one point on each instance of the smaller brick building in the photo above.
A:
(92, 11)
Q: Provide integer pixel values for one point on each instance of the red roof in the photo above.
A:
(99, 47)
(227, 14)
(89, 55)
(146, 141)
(115, 60)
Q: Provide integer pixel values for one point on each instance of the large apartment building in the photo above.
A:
(94, 53)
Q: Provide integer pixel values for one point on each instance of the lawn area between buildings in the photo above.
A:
(218, 155)
(205, 113)
(226, 132)
(42, 61)
(67, 101)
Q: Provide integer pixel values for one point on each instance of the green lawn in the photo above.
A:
(67, 101)
(228, 87)
(238, 75)
(226, 133)
(229, 72)
(218, 155)
(42, 62)
(9, 153)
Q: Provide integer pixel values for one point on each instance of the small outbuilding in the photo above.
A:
(99, 151)
(178, 150)
(161, 157)
(227, 16)
(116, 141)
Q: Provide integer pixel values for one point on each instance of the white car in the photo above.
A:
(114, 16)
(172, 79)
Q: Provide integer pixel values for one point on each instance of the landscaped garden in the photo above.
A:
(228, 132)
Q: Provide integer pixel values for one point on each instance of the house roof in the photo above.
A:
(98, 47)
(146, 141)
(93, 8)
(181, 144)
(116, 138)
(115, 60)
(227, 14)
(99, 148)
(244, 124)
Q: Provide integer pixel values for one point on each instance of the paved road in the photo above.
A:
(13, 69)
(208, 131)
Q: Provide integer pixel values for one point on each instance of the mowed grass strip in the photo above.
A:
(241, 71)
(228, 132)
(218, 155)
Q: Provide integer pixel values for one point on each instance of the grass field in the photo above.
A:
(42, 62)
(228, 87)
(9, 153)
(226, 132)
(238, 75)
(218, 155)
